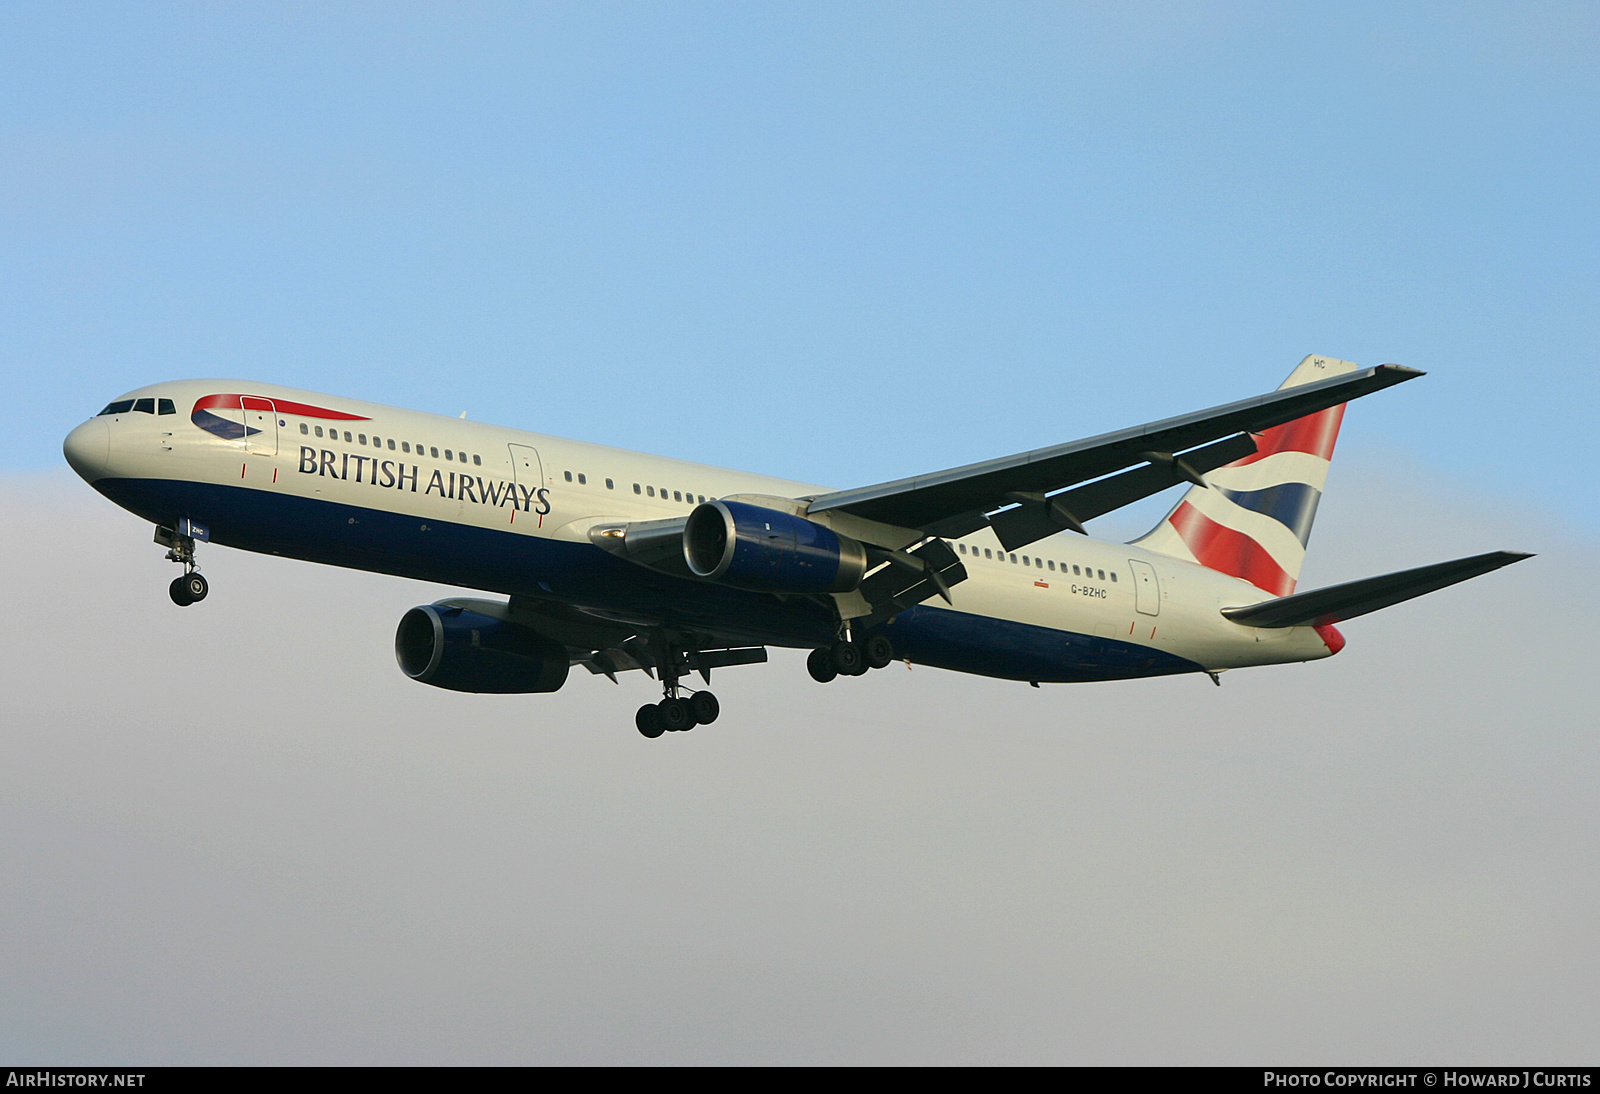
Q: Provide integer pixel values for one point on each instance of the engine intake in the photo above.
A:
(765, 550)
(463, 650)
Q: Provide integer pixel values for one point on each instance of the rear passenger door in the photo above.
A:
(1146, 587)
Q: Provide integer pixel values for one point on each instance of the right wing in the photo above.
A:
(1028, 494)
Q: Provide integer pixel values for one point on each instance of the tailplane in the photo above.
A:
(1254, 519)
(1336, 603)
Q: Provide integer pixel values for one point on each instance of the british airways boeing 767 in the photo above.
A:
(617, 561)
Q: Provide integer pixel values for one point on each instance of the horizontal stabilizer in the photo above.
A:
(1353, 598)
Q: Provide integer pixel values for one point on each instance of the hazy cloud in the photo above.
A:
(236, 833)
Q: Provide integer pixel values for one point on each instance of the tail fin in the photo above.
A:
(1255, 520)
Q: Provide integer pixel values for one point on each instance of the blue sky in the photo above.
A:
(837, 242)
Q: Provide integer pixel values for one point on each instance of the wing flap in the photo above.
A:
(933, 570)
(1041, 516)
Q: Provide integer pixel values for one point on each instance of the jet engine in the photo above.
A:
(463, 650)
(765, 550)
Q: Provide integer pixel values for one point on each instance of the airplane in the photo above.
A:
(617, 561)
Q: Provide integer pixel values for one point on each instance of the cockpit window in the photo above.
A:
(122, 406)
(166, 406)
(145, 406)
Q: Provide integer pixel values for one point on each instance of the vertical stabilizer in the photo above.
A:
(1255, 519)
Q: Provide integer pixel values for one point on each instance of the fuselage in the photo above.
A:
(339, 481)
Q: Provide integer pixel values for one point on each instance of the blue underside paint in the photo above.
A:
(580, 574)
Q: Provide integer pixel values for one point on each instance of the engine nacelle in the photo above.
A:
(765, 550)
(463, 650)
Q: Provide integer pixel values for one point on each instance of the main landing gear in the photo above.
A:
(850, 658)
(678, 711)
(677, 714)
(191, 588)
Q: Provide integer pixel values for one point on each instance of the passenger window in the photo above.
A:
(361, 438)
(166, 406)
(347, 435)
(567, 475)
(305, 428)
(319, 431)
(1025, 560)
(987, 553)
(1075, 568)
(677, 495)
(635, 488)
(391, 444)
(1013, 560)
(1050, 562)
(651, 491)
(145, 406)
(435, 452)
(448, 455)
(477, 460)
(610, 485)
(405, 446)
(1113, 575)
(962, 547)
(582, 479)
(1102, 575)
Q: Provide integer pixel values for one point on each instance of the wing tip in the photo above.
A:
(1400, 373)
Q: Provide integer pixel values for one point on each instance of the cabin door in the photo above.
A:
(260, 426)
(525, 466)
(1146, 588)
(528, 473)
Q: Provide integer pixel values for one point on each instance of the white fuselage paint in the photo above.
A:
(1187, 624)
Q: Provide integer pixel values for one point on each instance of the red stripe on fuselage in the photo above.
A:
(283, 406)
(1218, 547)
(1315, 433)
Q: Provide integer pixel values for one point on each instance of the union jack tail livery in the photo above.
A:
(1255, 519)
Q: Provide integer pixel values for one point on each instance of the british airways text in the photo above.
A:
(396, 475)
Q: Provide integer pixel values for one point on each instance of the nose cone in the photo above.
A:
(88, 449)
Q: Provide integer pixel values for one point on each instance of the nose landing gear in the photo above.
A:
(191, 588)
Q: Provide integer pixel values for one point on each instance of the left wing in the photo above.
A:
(1032, 488)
